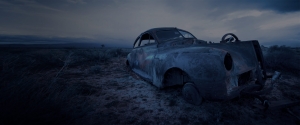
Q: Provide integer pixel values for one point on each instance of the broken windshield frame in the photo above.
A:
(186, 34)
(165, 35)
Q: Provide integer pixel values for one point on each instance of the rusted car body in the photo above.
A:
(213, 71)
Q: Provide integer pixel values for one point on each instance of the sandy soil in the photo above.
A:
(117, 96)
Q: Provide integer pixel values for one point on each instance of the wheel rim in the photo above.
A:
(191, 94)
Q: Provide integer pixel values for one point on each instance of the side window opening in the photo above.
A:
(137, 42)
(165, 35)
(146, 39)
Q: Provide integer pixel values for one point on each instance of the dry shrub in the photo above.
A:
(26, 100)
(282, 58)
(30, 95)
(114, 52)
(47, 58)
(86, 56)
(32, 60)
(95, 69)
(94, 56)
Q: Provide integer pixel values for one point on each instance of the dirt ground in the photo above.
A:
(117, 96)
(108, 92)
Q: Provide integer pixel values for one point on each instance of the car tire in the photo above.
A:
(191, 94)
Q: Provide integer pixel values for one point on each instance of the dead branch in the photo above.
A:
(66, 63)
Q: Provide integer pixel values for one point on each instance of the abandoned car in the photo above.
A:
(212, 71)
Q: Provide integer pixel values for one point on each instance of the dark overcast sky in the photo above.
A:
(121, 21)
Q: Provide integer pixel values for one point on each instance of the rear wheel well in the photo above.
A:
(175, 76)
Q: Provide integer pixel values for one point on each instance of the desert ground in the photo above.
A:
(94, 86)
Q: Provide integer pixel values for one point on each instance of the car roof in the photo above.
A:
(153, 30)
(160, 28)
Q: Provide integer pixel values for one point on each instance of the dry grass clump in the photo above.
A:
(94, 56)
(32, 92)
(28, 101)
(95, 69)
(282, 58)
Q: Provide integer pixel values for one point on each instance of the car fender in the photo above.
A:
(198, 66)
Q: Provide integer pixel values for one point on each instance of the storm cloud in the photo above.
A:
(280, 5)
(119, 22)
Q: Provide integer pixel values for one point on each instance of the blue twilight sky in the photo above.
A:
(119, 22)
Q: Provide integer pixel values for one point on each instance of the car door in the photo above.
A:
(133, 56)
(145, 53)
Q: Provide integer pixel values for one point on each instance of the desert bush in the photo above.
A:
(95, 69)
(94, 56)
(290, 91)
(282, 58)
(24, 100)
(8, 62)
(47, 58)
(115, 52)
(29, 98)
(86, 56)
(79, 57)
(106, 55)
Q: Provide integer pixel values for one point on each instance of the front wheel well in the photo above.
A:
(175, 76)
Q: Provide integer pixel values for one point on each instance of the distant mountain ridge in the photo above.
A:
(46, 42)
